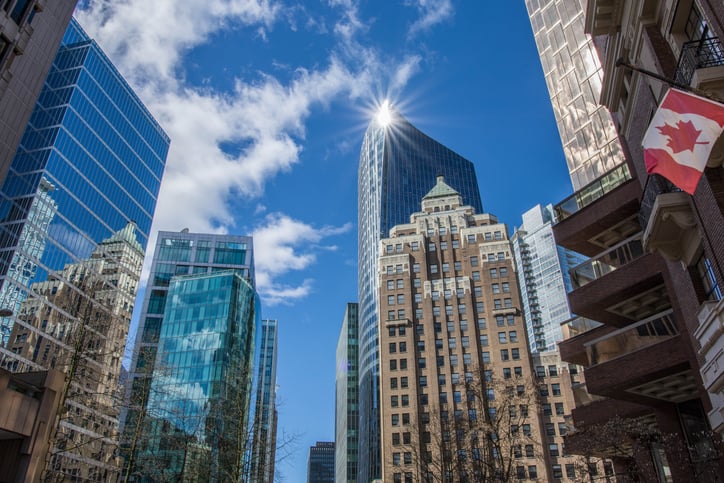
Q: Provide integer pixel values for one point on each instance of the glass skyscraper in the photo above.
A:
(265, 412)
(543, 278)
(346, 424)
(573, 74)
(192, 360)
(75, 214)
(398, 165)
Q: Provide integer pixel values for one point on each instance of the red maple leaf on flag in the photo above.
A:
(682, 137)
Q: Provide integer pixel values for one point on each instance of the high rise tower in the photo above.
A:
(265, 411)
(347, 398)
(75, 214)
(192, 359)
(573, 74)
(30, 33)
(543, 278)
(398, 164)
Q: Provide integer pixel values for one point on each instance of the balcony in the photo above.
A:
(640, 335)
(606, 262)
(577, 326)
(591, 192)
(710, 335)
(699, 54)
(573, 348)
(582, 397)
(669, 222)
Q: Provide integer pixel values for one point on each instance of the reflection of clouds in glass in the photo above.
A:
(78, 244)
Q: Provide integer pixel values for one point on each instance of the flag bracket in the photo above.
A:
(622, 63)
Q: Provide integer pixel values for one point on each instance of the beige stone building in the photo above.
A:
(458, 394)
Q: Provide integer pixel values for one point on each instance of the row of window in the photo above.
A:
(414, 245)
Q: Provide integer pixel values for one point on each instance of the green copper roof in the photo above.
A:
(126, 234)
(441, 189)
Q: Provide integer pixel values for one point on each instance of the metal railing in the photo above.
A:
(698, 54)
(591, 192)
(604, 263)
(577, 326)
(650, 331)
(655, 185)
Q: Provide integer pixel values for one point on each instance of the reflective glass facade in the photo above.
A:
(198, 405)
(265, 418)
(544, 279)
(75, 213)
(573, 74)
(183, 256)
(398, 166)
(347, 399)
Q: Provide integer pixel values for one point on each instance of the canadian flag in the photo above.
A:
(680, 137)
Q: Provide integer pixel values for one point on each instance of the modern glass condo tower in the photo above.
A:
(75, 215)
(398, 165)
(265, 411)
(192, 360)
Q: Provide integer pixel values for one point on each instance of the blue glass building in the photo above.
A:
(398, 165)
(347, 400)
(265, 412)
(193, 355)
(83, 183)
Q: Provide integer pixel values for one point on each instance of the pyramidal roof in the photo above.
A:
(126, 234)
(440, 190)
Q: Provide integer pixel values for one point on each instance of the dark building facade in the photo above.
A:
(398, 165)
(346, 408)
(30, 33)
(321, 463)
(649, 299)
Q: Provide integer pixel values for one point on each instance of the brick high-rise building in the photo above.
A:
(30, 33)
(454, 359)
(650, 297)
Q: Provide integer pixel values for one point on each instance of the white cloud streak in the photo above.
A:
(432, 12)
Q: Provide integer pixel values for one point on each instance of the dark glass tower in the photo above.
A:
(398, 165)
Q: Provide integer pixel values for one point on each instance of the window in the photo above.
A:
(435, 295)
(497, 304)
(418, 314)
(416, 282)
(553, 449)
(455, 378)
(463, 325)
(391, 331)
(416, 269)
(508, 303)
(515, 353)
(390, 315)
(403, 364)
(403, 382)
(488, 236)
(502, 338)
(421, 345)
(401, 314)
(520, 472)
(418, 297)
(499, 320)
(396, 460)
(393, 364)
(443, 398)
(486, 357)
(562, 429)
(532, 472)
(421, 363)
(570, 471)
(496, 288)
(482, 324)
(423, 381)
(431, 247)
(552, 371)
(455, 244)
(503, 272)
(457, 397)
(529, 453)
(556, 389)
(389, 248)
(393, 347)
(520, 390)
(474, 261)
(420, 329)
(398, 268)
(465, 341)
(543, 391)
(458, 266)
(441, 380)
(478, 291)
(395, 419)
(551, 431)
(467, 358)
(547, 411)
(559, 409)
(471, 238)
(526, 429)
(394, 401)
(518, 371)
(524, 410)
(400, 283)
(390, 284)
(448, 310)
(501, 256)
(510, 319)
(433, 268)
(408, 461)
(395, 439)
(405, 400)
(398, 247)
(451, 342)
(436, 310)
(480, 306)
(405, 418)
(440, 361)
(506, 286)
(424, 399)
(461, 309)
(443, 244)
(403, 346)
(513, 336)
(415, 246)
(506, 373)
(484, 340)
(453, 360)
(504, 354)
(712, 291)
(445, 267)
(557, 471)
(476, 276)
(540, 371)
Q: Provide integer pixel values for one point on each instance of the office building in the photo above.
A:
(200, 293)
(76, 210)
(265, 412)
(398, 165)
(321, 463)
(649, 300)
(543, 278)
(573, 74)
(346, 406)
(454, 361)
(30, 33)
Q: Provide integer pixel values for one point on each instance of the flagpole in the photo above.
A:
(622, 63)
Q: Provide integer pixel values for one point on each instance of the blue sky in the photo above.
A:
(266, 103)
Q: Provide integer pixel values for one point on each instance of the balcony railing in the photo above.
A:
(615, 257)
(591, 192)
(650, 331)
(698, 54)
(655, 185)
(577, 326)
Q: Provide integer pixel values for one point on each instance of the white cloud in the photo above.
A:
(266, 118)
(283, 244)
(432, 12)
